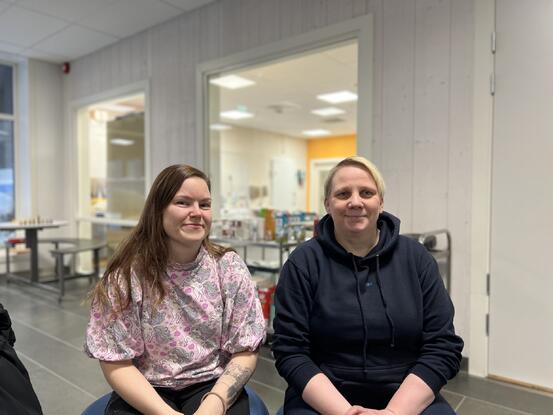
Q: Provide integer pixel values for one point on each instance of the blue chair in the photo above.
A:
(98, 406)
(257, 406)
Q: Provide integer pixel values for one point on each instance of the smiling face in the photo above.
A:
(353, 203)
(187, 218)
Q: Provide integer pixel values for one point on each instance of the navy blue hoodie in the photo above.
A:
(364, 320)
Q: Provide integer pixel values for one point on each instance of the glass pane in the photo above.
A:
(6, 89)
(270, 122)
(6, 171)
(112, 159)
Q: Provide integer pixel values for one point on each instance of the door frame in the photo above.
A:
(315, 167)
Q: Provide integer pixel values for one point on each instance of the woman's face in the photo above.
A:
(353, 203)
(187, 218)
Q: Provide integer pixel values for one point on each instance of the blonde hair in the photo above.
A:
(363, 164)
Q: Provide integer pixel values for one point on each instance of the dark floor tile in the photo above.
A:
(452, 398)
(265, 351)
(57, 395)
(273, 398)
(474, 407)
(63, 359)
(265, 372)
(501, 394)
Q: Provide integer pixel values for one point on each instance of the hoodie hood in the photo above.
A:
(387, 223)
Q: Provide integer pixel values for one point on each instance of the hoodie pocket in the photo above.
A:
(377, 375)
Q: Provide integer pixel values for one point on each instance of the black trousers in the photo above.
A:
(186, 400)
(17, 396)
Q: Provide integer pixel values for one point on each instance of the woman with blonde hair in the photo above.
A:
(363, 322)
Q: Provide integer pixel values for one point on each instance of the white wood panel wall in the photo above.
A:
(422, 95)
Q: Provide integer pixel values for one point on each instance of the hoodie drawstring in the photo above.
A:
(388, 317)
(365, 335)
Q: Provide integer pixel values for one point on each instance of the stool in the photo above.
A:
(74, 246)
(257, 406)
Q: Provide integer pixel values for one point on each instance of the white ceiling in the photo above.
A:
(63, 30)
(285, 93)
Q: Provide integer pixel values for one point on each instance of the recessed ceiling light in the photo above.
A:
(338, 97)
(232, 82)
(116, 107)
(219, 127)
(325, 112)
(121, 142)
(236, 114)
(315, 133)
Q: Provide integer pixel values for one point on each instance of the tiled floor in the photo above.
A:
(49, 342)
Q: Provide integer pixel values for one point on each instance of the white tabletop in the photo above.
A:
(12, 226)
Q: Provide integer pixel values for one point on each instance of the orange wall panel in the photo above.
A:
(323, 148)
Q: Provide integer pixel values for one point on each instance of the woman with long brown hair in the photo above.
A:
(175, 322)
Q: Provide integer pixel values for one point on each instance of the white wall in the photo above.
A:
(245, 157)
(423, 69)
(46, 140)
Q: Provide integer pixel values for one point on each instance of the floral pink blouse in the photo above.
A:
(210, 312)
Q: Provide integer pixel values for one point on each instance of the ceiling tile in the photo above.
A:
(71, 10)
(24, 27)
(44, 56)
(187, 5)
(74, 41)
(126, 17)
(4, 5)
(8, 47)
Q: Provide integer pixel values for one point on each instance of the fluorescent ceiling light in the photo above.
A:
(117, 107)
(325, 112)
(315, 133)
(219, 127)
(121, 142)
(236, 114)
(232, 82)
(338, 97)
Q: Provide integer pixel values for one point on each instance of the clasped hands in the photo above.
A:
(360, 410)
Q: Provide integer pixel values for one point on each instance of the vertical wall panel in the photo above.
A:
(209, 37)
(431, 115)
(460, 154)
(375, 7)
(359, 7)
(396, 148)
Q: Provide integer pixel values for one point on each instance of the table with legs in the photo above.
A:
(31, 240)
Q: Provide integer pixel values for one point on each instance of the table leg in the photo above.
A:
(31, 238)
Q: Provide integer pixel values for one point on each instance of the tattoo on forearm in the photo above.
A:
(240, 376)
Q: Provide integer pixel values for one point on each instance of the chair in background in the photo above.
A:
(257, 406)
(9, 244)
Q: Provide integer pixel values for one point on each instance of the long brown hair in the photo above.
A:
(145, 249)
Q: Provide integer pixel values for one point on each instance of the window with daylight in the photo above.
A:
(7, 118)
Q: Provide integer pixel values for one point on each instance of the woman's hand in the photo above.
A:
(360, 410)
